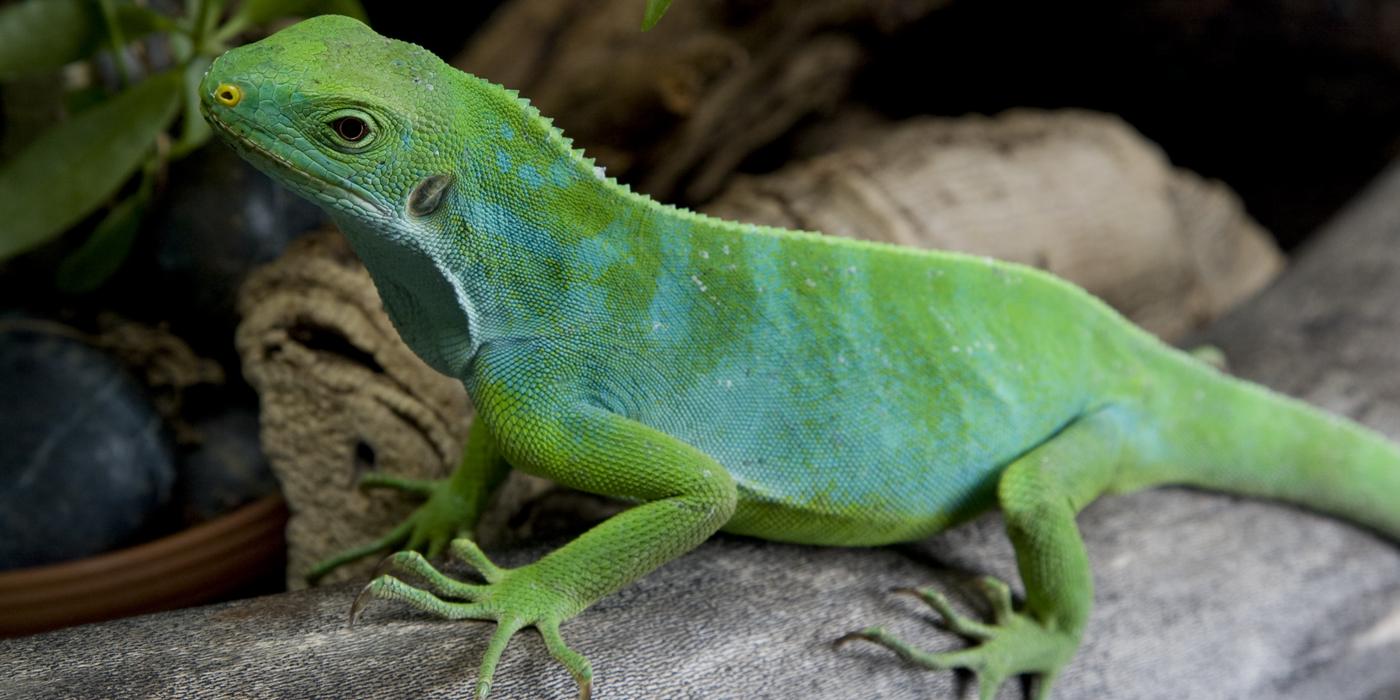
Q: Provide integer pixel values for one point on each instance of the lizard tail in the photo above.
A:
(1224, 434)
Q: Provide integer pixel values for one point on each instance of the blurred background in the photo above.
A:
(188, 357)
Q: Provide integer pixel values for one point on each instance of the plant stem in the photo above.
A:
(117, 39)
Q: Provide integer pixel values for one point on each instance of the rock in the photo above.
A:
(219, 219)
(85, 462)
(226, 469)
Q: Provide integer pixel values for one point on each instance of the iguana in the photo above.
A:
(725, 376)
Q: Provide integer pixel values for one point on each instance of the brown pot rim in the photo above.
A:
(188, 567)
(240, 519)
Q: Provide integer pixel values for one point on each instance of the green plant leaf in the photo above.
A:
(252, 12)
(655, 8)
(41, 35)
(77, 165)
(136, 21)
(104, 251)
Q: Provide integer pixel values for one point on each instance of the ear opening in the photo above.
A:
(427, 195)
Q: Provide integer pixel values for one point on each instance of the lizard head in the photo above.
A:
(447, 186)
(374, 131)
(345, 117)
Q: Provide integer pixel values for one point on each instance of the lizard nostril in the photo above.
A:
(228, 95)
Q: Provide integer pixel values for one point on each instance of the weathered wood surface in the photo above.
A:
(1199, 595)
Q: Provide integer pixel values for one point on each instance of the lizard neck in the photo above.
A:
(533, 243)
(551, 247)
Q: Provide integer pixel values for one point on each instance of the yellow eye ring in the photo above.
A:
(228, 95)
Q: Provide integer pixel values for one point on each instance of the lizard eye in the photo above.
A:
(352, 129)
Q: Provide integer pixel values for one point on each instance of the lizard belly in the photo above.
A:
(861, 458)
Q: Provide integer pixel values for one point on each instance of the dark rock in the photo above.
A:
(226, 469)
(219, 219)
(85, 463)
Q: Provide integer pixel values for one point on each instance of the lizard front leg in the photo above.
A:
(685, 497)
(451, 506)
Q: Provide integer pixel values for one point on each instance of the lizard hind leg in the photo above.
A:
(1039, 493)
(1013, 644)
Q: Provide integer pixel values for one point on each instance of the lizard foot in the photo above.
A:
(513, 598)
(445, 514)
(1013, 643)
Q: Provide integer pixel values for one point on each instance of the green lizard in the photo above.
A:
(732, 377)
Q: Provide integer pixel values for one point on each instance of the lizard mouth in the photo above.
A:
(330, 192)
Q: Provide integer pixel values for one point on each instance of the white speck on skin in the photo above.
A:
(698, 283)
(726, 249)
(955, 349)
(705, 254)
(851, 270)
(600, 172)
(1383, 633)
(840, 359)
(809, 282)
(656, 325)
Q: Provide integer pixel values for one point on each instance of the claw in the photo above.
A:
(874, 635)
(851, 637)
(387, 565)
(575, 662)
(361, 601)
(878, 635)
(505, 629)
